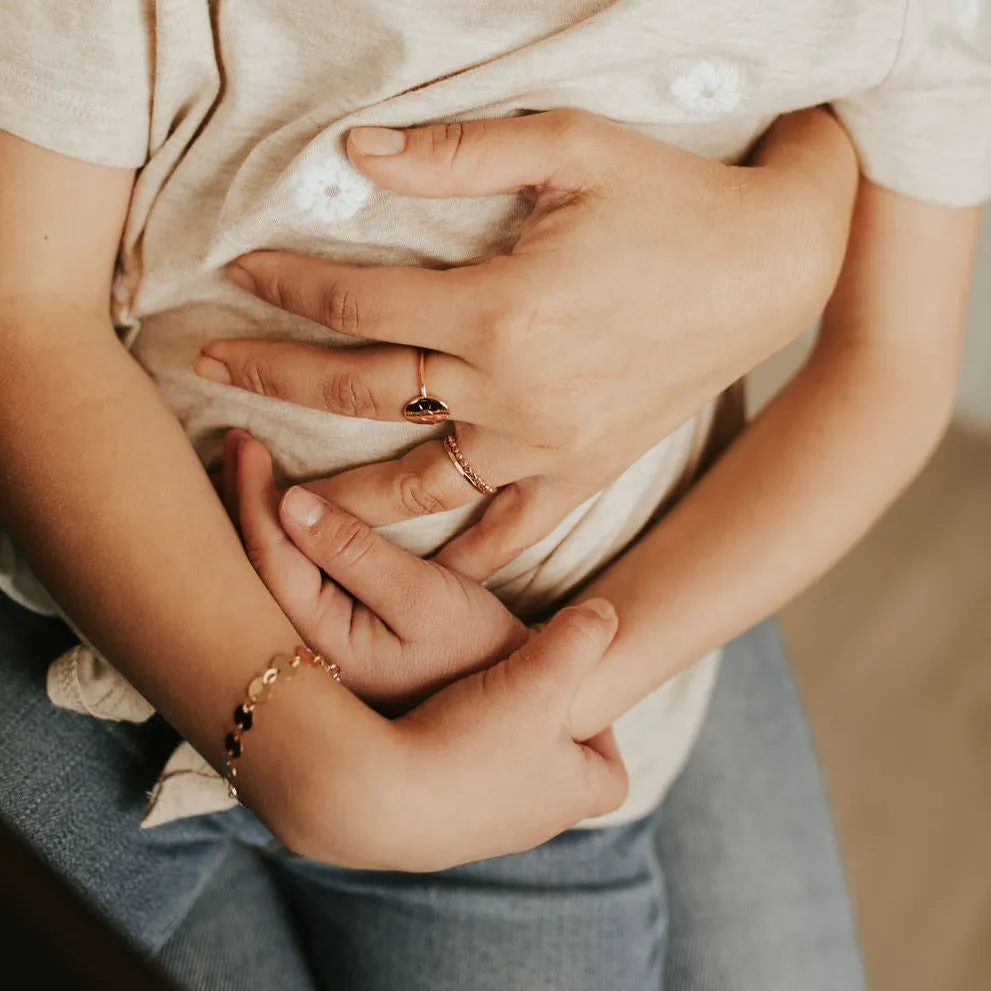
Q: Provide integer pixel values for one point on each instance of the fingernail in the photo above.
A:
(601, 608)
(212, 369)
(241, 277)
(303, 507)
(377, 141)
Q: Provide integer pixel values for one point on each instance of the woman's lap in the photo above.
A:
(75, 787)
(755, 886)
(755, 893)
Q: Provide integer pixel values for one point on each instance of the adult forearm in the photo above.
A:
(118, 518)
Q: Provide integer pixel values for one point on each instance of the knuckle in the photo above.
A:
(347, 394)
(418, 496)
(347, 541)
(446, 142)
(526, 655)
(277, 289)
(340, 309)
(256, 377)
(574, 129)
(585, 631)
(510, 329)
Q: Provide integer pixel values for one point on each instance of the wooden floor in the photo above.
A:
(893, 654)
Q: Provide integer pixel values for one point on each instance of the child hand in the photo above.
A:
(399, 627)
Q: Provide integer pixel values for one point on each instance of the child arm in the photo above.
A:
(815, 470)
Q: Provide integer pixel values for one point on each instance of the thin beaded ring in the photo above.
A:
(282, 666)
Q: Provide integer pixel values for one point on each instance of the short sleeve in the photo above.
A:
(925, 132)
(75, 77)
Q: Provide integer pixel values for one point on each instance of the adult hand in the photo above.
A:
(488, 765)
(645, 281)
(492, 765)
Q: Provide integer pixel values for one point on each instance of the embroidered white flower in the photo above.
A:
(968, 14)
(708, 89)
(331, 190)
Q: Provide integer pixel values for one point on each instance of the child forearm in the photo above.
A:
(814, 471)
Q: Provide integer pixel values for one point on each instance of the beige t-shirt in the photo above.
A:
(235, 110)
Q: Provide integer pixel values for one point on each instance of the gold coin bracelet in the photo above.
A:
(281, 667)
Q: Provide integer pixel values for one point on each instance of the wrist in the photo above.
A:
(333, 765)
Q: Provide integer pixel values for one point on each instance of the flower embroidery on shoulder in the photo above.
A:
(330, 190)
(708, 89)
(968, 14)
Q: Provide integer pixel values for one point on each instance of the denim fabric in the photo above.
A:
(734, 884)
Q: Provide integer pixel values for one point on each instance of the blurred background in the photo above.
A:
(892, 650)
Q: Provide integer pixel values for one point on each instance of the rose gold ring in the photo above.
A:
(465, 470)
(424, 408)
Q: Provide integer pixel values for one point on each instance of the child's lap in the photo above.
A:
(756, 894)
(585, 911)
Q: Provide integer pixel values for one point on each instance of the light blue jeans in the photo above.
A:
(733, 885)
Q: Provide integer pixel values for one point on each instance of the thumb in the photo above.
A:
(550, 668)
(545, 151)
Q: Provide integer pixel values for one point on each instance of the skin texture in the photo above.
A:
(568, 358)
(804, 482)
(120, 539)
(402, 627)
(136, 530)
(810, 476)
